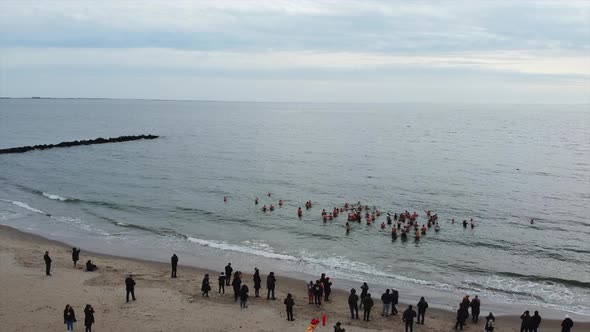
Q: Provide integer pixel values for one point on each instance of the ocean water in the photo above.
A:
(498, 164)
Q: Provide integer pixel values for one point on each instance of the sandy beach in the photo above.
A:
(33, 301)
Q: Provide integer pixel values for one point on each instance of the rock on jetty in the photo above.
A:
(99, 140)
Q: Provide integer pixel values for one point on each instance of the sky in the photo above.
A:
(304, 50)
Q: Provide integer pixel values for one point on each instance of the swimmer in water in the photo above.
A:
(472, 224)
(325, 217)
(272, 207)
(423, 230)
(299, 212)
(393, 233)
(330, 216)
(280, 202)
(417, 236)
(347, 228)
(404, 234)
(452, 221)
(256, 201)
(382, 225)
(464, 223)
(263, 208)
(224, 199)
(269, 194)
(532, 221)
(436, 227)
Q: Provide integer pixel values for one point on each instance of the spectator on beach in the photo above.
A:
(386, 299)
(221, 281)
(461, 317)
(75, 255)
(310, 292)
(270, 285)
(567, 324)
(174, 262)
(353, 300)
(327, 288)
(47, 260)
(257, 282)
(535, 321)
(228, 271)
(205, 286)
(422, 306)
(367, 305)
(244, 297)
(527, 320)
(408, 318)
(364, 292)
(236, 283)
(289, 303)
(338, 327)
(317, 293)
(90, 267)
(69, 318)
(394, 301)
(130, 287)
(88, 317)
(490, 322)
(475, 303)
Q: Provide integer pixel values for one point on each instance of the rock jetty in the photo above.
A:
(99, 140)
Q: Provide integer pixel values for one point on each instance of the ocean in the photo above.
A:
(500, 164)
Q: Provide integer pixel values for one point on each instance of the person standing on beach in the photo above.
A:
(317, 293)
(236, 283)
(289, 303)
(174, 262)
(221, 281)
(257, 282)
(353, 300)
(386, 299)
(475, 303)
(527, 320)
(75, 255)
(88, 317)
(490, 322)
(364, 292)
(205, 286)
(327, 289)
(130, 287)
(47, 260)
(270, 285)
(567, 324)
(394, 301)
(408, 318)
(461, 317)
(368, 305)
(535, 322)
(244, 297)
(69, 318)
(422, 306)
(228, 271)
(310, 292)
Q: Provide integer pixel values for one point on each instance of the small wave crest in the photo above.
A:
(243, 249)
(56, 197)
(24, 206)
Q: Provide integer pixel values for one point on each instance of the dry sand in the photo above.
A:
(32, 301)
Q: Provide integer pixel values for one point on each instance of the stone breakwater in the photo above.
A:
(99, 140)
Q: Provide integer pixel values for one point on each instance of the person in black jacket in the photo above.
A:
(228, 271)
(490, 322)
(338, 327)
(353, 300)
(394, 301)
(368, 305)
(174, 262)
(75, 255)
(130, 287)
(527, 320)
(205, 286)
(88, 317)
(47, 260)
(270, 285)
(567, 324)
(236, 283)
(244, 297)
(386, 299)
(475, 304)
(422, 306)
(257, 282)
(535, 322)
(69, 318)
(90, 267)
(364, 292)
(318, 289)
(289, 303)
(327, 289)
(221, 281)
(408, 318)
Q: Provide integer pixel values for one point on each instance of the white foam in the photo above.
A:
(242, 249)
(55, 197)
(24, 206)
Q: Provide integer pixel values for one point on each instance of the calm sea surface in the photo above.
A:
(498, 164)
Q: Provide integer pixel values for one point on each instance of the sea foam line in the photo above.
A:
(24, 206)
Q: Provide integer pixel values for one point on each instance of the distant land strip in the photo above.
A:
(99, 140)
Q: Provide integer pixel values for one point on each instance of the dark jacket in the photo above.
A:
(244, 293)
(368, 302)
(422, 306)
(394, 297)
(270, 281)
(76, 255)
(386, 298)
(353, 299)
(69, 315)
(365, 290)
(257, 280)
(527, 321)
(236, 283)
(566, 325)
(228, 271)
(88, 317)
(409, 315)
(327, 287)
(174, 260)
(129, 283)
(535, 321)
(221, 280)
(289, 303)
(47, 259)
(205, 287)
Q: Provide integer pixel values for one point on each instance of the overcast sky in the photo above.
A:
(274, 50)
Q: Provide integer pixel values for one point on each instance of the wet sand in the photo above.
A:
(34, 302)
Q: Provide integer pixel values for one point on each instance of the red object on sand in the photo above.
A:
(324, 318)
